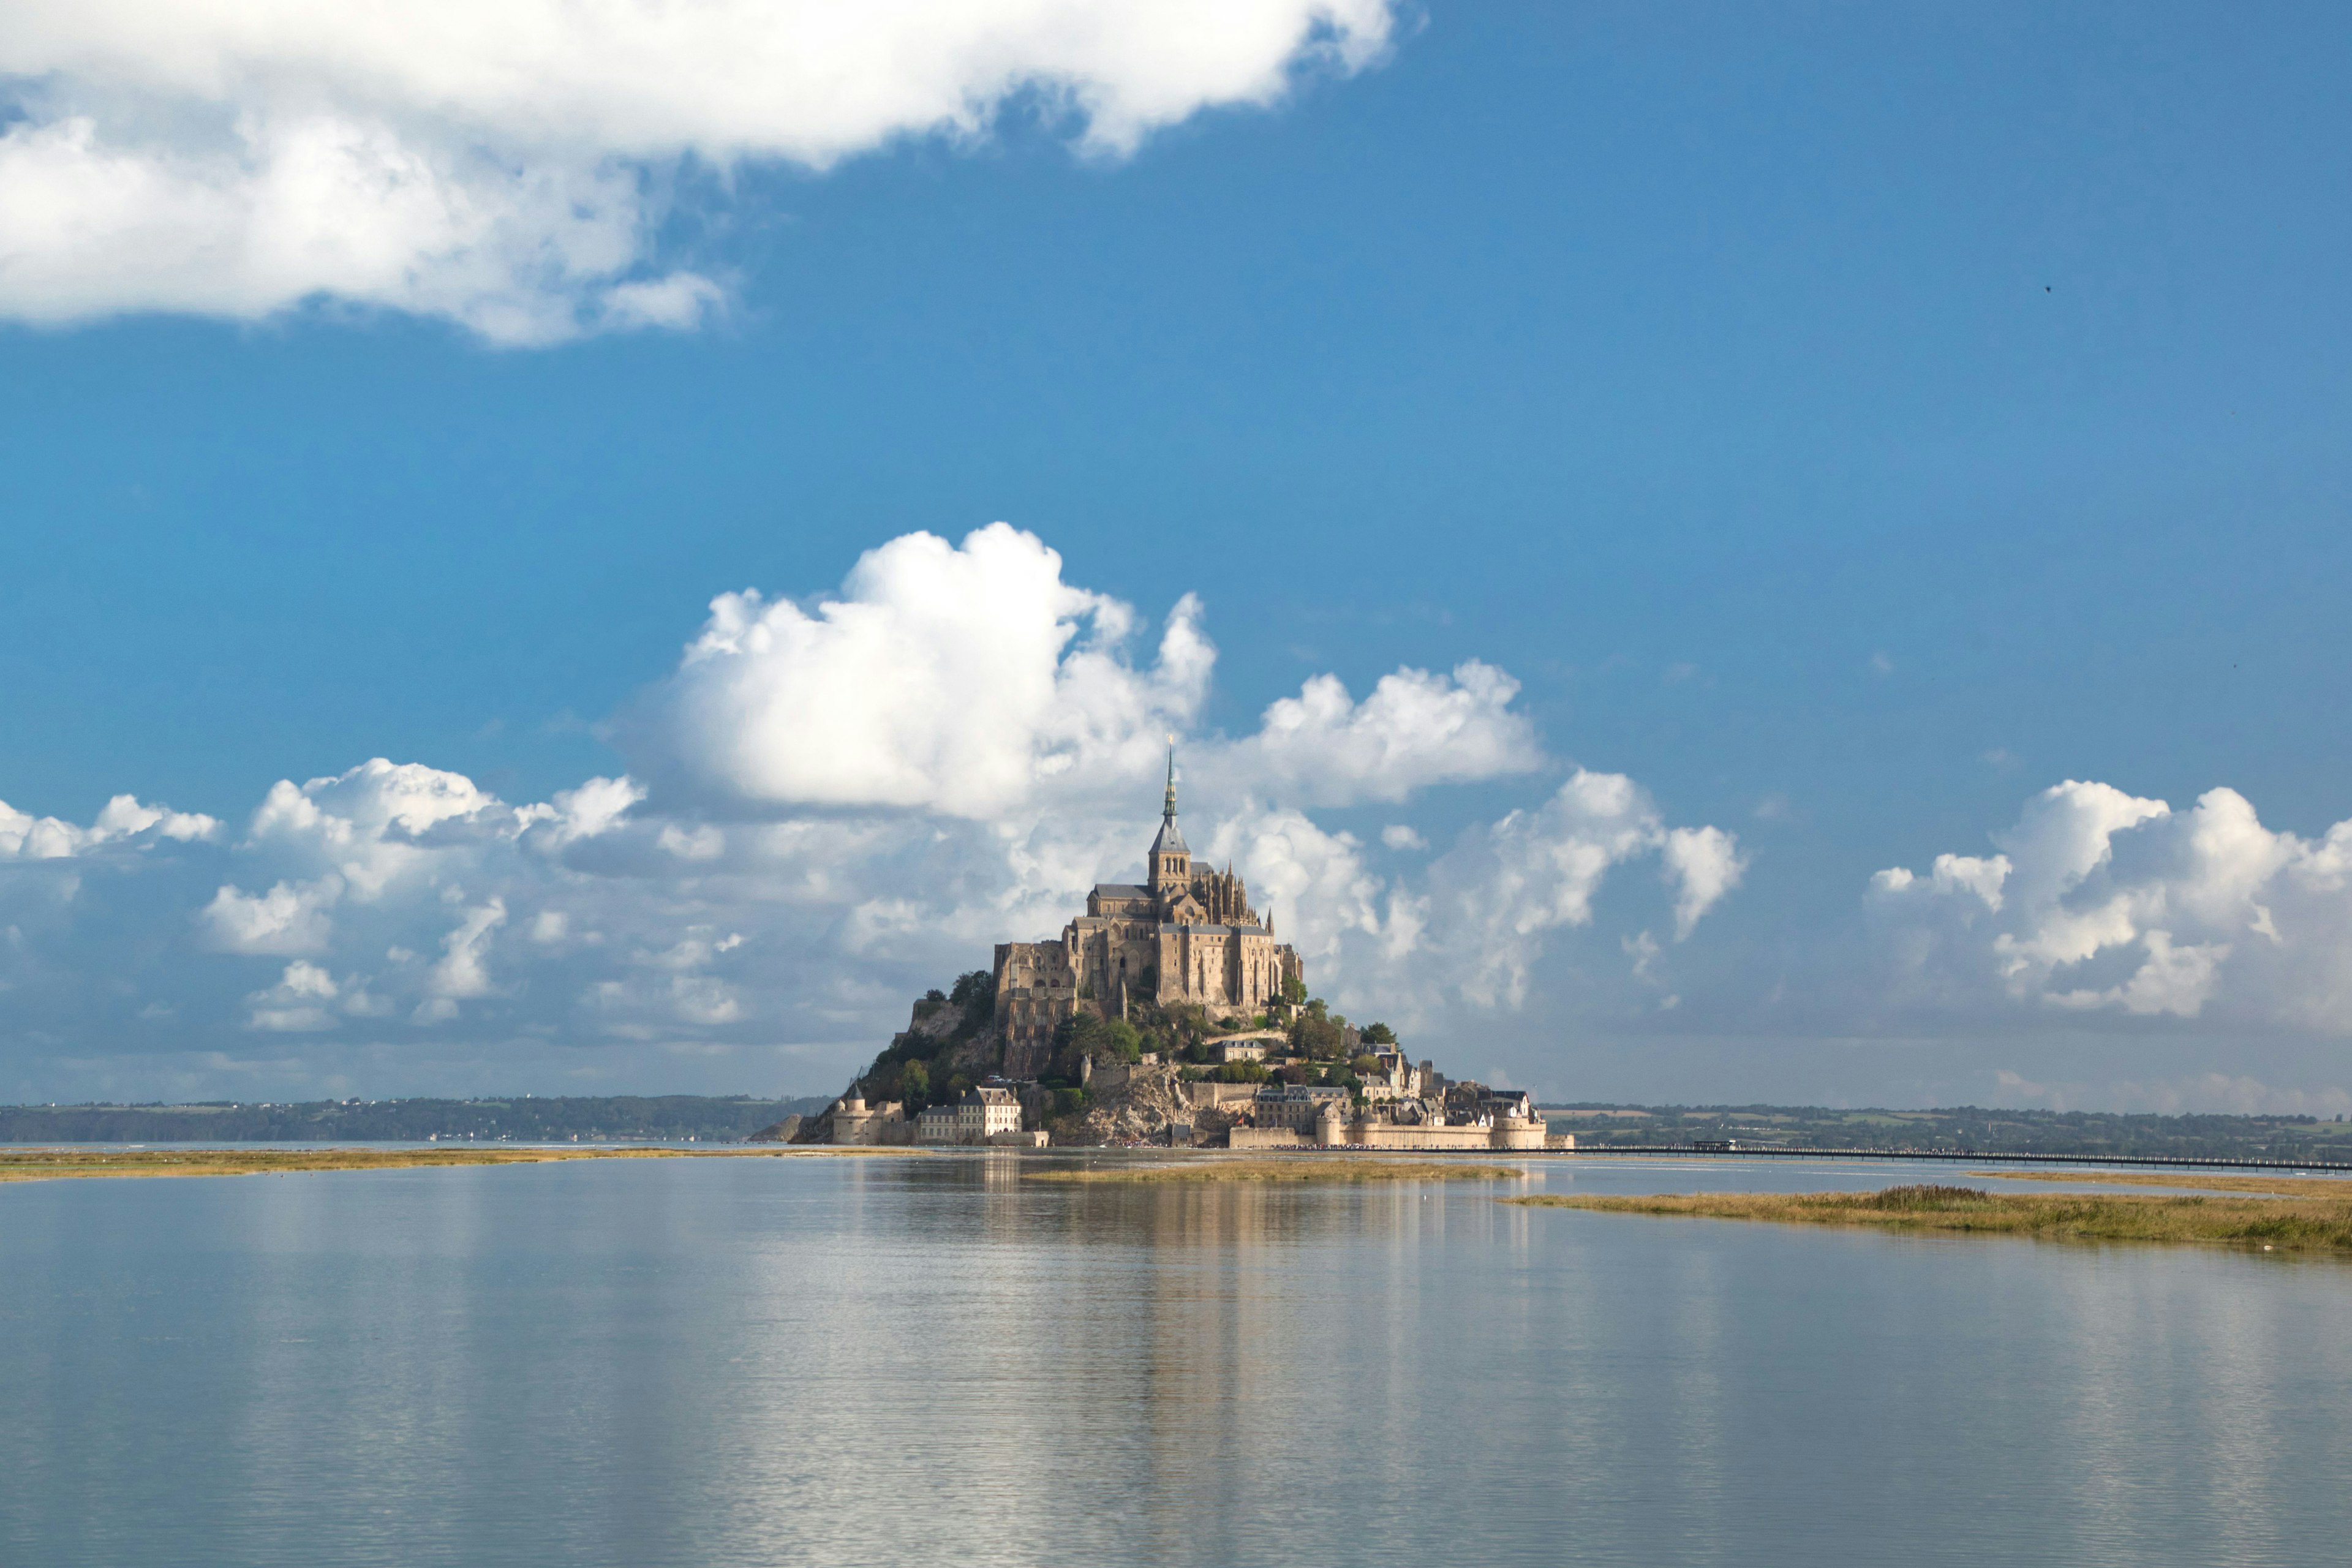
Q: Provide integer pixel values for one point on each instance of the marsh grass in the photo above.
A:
(50, 1165)
(2329, 1187)
(2287, 1224)
(1287, 1169)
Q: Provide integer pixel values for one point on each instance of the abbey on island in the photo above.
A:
(1185, 934)
(1168, 1013)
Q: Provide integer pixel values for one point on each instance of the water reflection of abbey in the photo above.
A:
(1184, 934)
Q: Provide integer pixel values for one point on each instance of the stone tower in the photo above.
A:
(1170, 864)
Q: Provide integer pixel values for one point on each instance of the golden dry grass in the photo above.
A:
(2287, 1224)
(2280, 1186)
(1356, 1169)
(49, 1165)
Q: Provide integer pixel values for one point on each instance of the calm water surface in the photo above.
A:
(893, 1360)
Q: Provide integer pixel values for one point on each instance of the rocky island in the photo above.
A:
(1167, 1013)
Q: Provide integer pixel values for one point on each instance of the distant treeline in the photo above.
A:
(528, 1120)
(1964, 1127)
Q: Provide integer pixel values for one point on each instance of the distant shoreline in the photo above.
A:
(47, 1165)
(1763, 1130)
(516, 1118)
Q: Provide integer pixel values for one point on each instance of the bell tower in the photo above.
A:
(1169, 864)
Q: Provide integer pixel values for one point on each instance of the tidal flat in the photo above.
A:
(2287, 1224)
(52, 1164)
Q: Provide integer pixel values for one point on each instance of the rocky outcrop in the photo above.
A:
(1131, 1104)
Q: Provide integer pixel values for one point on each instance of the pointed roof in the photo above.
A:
(1169, 840)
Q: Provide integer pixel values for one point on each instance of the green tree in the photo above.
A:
(1377, 1034)
(915, 1085)
(1315, 1034)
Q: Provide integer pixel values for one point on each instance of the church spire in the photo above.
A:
(1171, 862)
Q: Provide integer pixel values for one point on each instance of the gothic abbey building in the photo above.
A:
(1184, 935)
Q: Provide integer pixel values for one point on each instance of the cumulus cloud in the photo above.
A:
(1414, 730)
(509, 167)
(953, 678)
(289, 917)
(1703, 864)
(1501, 889)
(2100, 902)
(1471, 930)
(124, 820)
(971, 680)
(308, 999)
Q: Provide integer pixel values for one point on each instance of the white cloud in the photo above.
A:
(123, 820)
(1499, 890)
(508, 166)
(951, 679)
(973, 681)
(2100, 902)
(1415, 729)
(1704, 864)
(463, 970)
(1399, 836)
(301, 1001)
(1471, 932)
(596, 807)
(289, 917)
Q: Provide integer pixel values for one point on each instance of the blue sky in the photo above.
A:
(1845, 424)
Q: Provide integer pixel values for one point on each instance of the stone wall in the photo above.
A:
(1268, 1138)
(1391, 1135)
(1208, 1094)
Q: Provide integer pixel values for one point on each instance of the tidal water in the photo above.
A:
(894, 1361)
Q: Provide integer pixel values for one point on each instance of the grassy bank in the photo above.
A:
(49, 1165)
(1356, 1169)
(2322, 1224)
(2327, 1188)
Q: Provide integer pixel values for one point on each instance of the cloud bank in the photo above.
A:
(509, 167)
(836, 800)
(2101, 903)
(831, 804)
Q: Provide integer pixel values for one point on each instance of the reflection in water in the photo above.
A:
(905, 1360)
